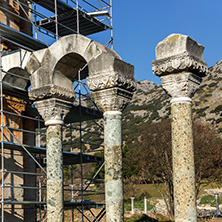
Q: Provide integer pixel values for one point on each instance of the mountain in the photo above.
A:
(151, 104)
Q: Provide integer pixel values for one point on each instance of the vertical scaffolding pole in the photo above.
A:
(80, 138)
(111, 15)
(35, 20)
(2, 144)
(56, 20)
(77, 16)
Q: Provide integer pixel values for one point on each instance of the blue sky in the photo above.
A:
(140, 25)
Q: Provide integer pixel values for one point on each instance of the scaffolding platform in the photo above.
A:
(78, 203)
(67, 20)
(70, 158)
(20, 39)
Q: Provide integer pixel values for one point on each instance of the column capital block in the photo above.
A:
(53, 102)
(114, 99)
(114, 87)
(53, 110)
(51, 91)
(179, 64)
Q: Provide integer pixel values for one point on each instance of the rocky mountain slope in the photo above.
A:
(151, 104)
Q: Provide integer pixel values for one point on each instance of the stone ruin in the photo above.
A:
(52, 71)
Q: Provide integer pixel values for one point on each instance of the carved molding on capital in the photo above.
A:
(106, 81)
(53, 110)
(179, 63)
(114, 99)
(183, 84)
(51, 91)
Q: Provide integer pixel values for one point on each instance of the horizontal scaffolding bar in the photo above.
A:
(25, 173)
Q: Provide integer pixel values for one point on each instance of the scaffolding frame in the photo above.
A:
(67, 16)
(37, 153)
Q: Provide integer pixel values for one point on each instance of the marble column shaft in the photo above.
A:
(183, 162)
(54, 174)
(179, 64)
(113, 166)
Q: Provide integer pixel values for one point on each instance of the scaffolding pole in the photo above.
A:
(2, 134)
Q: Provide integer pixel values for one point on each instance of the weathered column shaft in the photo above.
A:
(113, 84)
(54, 174)
(179, 63)
(183, 161)
(113, 166)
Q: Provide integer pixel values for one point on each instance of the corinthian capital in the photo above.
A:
(53, 110)
(179, 63)
(112, 83)
(114, 99)
(53, 102)
(51, 91)
(109, 80)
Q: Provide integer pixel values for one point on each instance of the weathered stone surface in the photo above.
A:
(178, 53)
(176, 44)
(51, 91)
(54, 174)
(183, 162)
(53, 71)
(113, 99)
(113, 166)
(180, 67)
(59, 64)
(183, 84)
(113, 84)
(52, 110)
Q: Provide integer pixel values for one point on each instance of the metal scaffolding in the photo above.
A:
(59, 18)
(53, 19)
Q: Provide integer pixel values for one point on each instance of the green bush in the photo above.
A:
(209, 200)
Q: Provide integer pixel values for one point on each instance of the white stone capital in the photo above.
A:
(113, 99)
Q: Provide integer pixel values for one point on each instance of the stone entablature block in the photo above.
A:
(179, 63)
(178, 53)
(118, 74)
(51, 91)
(112, 85)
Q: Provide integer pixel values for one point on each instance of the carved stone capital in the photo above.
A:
(53, 110)
(106, 81)
(114, 99)
(51, 91)
(183, 84)
(179, 63)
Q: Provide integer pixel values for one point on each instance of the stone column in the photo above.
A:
(179, 63)
(113, 165)
(53, 110)
(112, 92)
